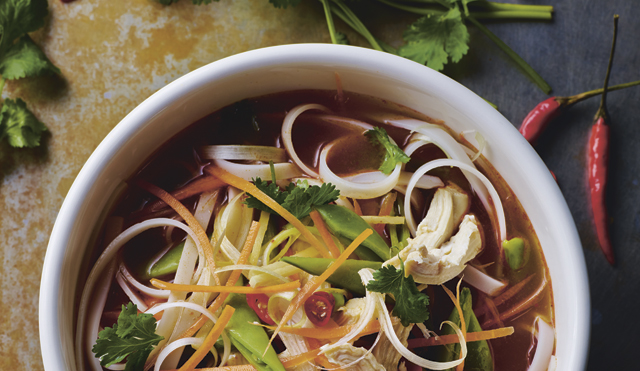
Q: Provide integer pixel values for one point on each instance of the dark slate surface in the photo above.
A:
(571, 53)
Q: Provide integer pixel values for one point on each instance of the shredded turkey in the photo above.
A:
(347, 354)
(350, 313)
(434, 256)
(385, 352)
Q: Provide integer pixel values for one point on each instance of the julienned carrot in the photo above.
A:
(598, 161)
(453, 338)
(324, 232)
(293, 361)
(385, 210)
(211, 338)
(356, 207)
(189, 218)
(315, 282)
(520, 307)
(463, 326)
(507, 294)
(268, 201)
(202, 184)
(328, 333)
(493, 310)
(289, 286)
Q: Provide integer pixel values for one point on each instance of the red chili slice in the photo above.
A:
(258, 302)
(319, 307)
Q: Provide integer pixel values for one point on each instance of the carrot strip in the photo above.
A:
(217, 303)
(293, 361)
(512, 291)
(268, 201)
(211, 338)
(225, 368)
(493, 310)
(315, 282)
(463, 326)
(202, 184)
(521, 307)
(324, 232)
(289, 286)
(385, 210)
(453, 338)
(189, 218)
(356, 207)
(328, 333)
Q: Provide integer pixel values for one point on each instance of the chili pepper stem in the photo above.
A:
(602, 110)
(568, 101)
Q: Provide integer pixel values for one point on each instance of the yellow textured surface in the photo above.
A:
(113, 54)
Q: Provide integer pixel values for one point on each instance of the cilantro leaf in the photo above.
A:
(299, 199)
(411, 304)
(284, 3)
(24, 59)
(342, 38)
(393, 153)
(19, 125)
(18, 17)
(432, 40)
(133, 337)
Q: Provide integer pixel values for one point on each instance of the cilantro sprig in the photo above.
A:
(411, 304)
(298, 198)
(132, 337)
(392, 153)
(20, 57)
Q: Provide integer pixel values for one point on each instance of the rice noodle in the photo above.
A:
(425, 181)
(95, 313)
(196, 307)
(287, 141)
(482, 281)
(133, 297)
(149, 291)
(173, 346)
(243, 152)
(546, 339)
(353, 189)
(283, 170)
(103, 261)
(482, 143)
(430, 133)
(469, 171)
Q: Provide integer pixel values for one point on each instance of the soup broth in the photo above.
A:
(521, 301)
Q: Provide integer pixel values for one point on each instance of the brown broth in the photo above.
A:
(258, 121)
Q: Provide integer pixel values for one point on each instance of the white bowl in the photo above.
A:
(310, 66)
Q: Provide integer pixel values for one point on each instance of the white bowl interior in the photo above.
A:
(310, 66)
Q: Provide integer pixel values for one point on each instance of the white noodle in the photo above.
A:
(284, 170)
(546, 339)
(173, 346)
(287, 141)
(155, 293)
(133, 297)
(482, 281)
(242, 152)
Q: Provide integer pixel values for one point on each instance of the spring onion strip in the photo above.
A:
(277, 306)
(254, 259)
(289, 286)
(284, 170)
(173, 346)
(133, 297)
(291, 234)
(296, 345)
(239, 152)
(469, 170)
(229, 250)
(482, 143)
(103, 261)
(387, 327)
(287, 141)
(283, 251)
(368, 312)
(482, 281)
(202, 214)
(193, 306)
(210, 340)
(353, 189)
(253, 268)
(430, 133)
(375, 219)
(546, 339)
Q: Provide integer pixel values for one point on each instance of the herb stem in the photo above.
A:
(498, 14)
(491, 5)
(2, 81)
(330, 25)
(356, 24)
(591, 93)
(537, 79)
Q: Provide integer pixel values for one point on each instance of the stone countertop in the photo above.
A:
(114, 54)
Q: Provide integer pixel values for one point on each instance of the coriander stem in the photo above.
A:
(537, 79)
(360, 27)
(330, 25)
(498, 14)
(385, 47)
(2, 80)
(413, 9)
(504, 6)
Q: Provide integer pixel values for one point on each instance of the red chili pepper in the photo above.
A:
(319, 307)
(598, 153)
(258, 302)
(539, 118)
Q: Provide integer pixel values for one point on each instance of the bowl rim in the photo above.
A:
(49, 306)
